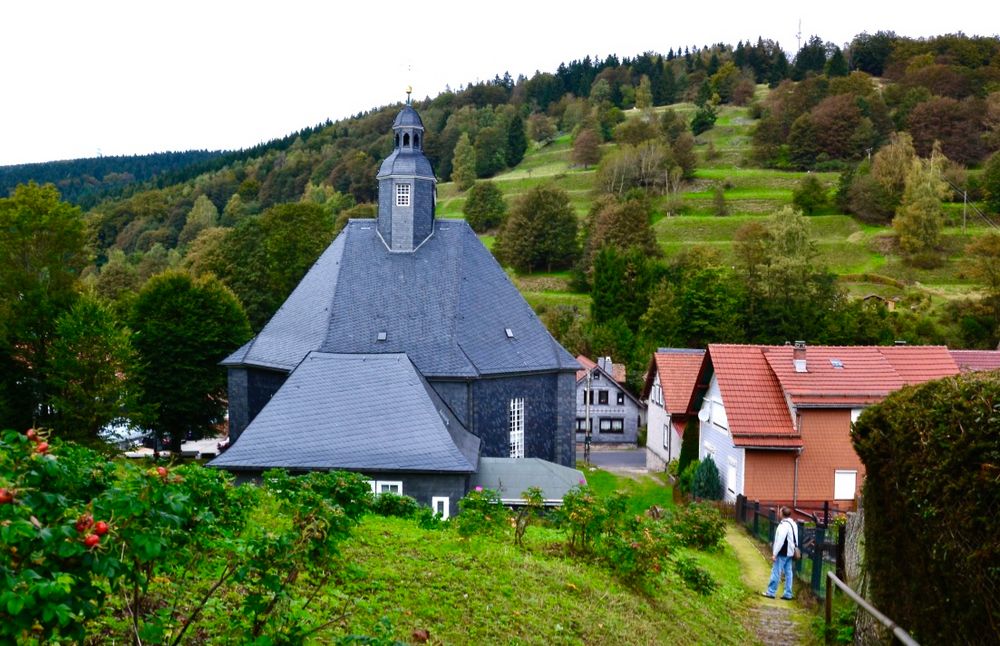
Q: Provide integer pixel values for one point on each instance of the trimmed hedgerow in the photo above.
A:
(931, 495)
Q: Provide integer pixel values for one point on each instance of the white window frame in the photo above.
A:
(731, 473)
(446, 508)
(391, 484)
(666, 436)
(619, 398)
(517, 427)
(402, 194)
(840, 483)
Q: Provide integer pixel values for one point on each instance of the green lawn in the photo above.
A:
(485, 590)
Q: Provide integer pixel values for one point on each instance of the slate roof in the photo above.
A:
(359, 412)
(971, 360)
(678, 369)
(403, 161)
(509, 477)
(408, 118)
(447, 305)
(759, 384)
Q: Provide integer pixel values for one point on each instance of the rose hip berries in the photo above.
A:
(101, 528)
(91, 541)
(6, 496)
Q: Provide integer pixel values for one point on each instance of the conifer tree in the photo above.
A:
(517, 141)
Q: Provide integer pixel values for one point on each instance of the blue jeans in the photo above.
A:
(781, 564)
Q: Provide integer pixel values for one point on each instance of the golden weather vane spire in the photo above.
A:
(409, 91)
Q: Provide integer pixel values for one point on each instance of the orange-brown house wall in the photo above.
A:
(826, 435)
(769, 475)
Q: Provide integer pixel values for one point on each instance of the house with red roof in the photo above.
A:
(669, 385)
(776, 419)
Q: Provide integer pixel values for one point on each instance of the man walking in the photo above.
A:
(785, 541)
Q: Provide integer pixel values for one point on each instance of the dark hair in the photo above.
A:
(786, 512)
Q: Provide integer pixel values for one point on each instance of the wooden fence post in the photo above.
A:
(756, 518)
(841, 552)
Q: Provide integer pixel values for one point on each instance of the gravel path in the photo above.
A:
(774, 621)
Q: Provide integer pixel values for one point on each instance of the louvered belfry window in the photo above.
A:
(402, 194)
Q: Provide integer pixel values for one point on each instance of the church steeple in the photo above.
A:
(406, 186)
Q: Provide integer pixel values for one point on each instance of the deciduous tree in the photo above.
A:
(919, 218)
(540, 231)
(41, 255)
(463, 163)
(182, 328)
(586, 148)
(90, 371)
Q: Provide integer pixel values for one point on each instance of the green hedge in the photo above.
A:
(931, 497)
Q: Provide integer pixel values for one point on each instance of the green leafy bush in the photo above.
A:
(698, 525)
(695, 576)
(931, 494)
(481, 512)
(390, 504)
(135, 553)
(707, 483)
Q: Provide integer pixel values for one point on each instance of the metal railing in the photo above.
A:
(897, 631)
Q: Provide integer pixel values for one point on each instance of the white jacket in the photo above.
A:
(786, 537)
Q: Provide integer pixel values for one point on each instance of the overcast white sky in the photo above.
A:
(140, 76)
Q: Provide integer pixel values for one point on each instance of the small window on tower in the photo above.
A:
(406, 139)
(402, 194)
(416, 141)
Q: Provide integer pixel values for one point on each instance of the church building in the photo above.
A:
(405, 353)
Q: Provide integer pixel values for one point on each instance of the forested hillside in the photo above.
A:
(723, 193)
(87, 181)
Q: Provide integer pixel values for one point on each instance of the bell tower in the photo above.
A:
(406, 186)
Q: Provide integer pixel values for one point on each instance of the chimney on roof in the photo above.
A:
(604, 363)
(799, 356)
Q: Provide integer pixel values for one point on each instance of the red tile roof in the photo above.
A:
(970, 360)
(617, 369)
(678, 370)
(587, 366)
(759, 384)
(751, 392)
(919, 363)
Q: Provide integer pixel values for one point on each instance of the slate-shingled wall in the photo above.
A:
(548, 429)
(249, 391)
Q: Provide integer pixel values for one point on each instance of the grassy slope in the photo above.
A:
(847, 247)
(487, 591)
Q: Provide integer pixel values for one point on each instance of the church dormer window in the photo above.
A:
(416, 141)
(402, 194)
(397, 141)
(406, 139)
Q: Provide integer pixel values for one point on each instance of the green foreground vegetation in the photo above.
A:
(99, 549)
(486, 590)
